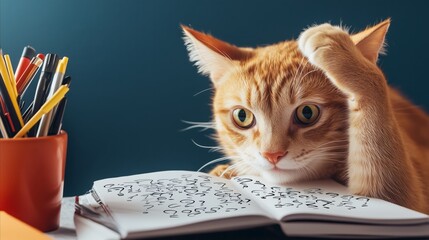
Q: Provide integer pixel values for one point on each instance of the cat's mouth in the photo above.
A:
(288, 169)
(277, 169)
(287, 165)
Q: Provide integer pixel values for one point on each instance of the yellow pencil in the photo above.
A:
(5, 75)
(47, 107)
(3, 69)
(11, 74)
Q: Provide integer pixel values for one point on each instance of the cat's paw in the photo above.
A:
(222, 171)
(320, 44)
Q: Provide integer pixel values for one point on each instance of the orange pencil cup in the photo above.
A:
(32, 179)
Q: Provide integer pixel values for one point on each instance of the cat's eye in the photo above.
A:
(307, 114)
(243, 118)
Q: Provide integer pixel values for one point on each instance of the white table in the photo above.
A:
(67, 229)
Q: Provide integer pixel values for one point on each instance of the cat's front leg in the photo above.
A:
(378, 165)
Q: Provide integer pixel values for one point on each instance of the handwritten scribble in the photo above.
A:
(197, 195)
(185, 196)
(310, 198)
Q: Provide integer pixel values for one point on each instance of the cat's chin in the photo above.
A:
(281, 176)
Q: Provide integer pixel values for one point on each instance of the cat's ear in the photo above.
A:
(212, 56)
(371, 40)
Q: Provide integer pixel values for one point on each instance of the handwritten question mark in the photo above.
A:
(188, 202)
(325, 203)
(172, 213)
(298, 203)
(117, 188)
(347, 197)
(148, 206)
(365, 204)
(244, 181)
(259, 183)
(174, 205)
(131, 197)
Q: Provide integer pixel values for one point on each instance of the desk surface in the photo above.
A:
(67, 229)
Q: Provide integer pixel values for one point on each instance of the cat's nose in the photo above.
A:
(274, 157)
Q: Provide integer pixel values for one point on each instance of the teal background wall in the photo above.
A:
(132, 81)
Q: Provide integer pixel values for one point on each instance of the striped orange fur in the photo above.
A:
(362, 133)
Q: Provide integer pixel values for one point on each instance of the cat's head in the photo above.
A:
(274, 113)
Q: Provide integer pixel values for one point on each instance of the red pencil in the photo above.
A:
(28, 74)
(7, 116)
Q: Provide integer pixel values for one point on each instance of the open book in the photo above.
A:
(179, 202)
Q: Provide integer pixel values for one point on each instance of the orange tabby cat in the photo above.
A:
(314, 108)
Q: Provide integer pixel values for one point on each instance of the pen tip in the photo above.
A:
(29, 52)
(63, 65)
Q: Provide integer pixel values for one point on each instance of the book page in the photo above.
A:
(170, 199)
(323, 200)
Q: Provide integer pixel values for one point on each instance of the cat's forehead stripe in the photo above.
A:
(272, 71)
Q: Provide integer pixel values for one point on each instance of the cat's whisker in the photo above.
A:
(337, 145)
(216, 161)
(204, 146)
(299, 77)
(310, 172)
(298, 69)
(336, 157)
(332, 142)
(339, 154)
(312, 71)
(327, 149)
(227, 169)
(205, 90)
(332, 161)
(204, 125)
(336, 149)
(215, 149)
(326, 156)
(332, 149)
(230, 169)
(302, 70)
